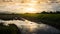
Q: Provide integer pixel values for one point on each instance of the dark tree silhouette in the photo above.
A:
(44, 12)
(58, 12)
(50, 12)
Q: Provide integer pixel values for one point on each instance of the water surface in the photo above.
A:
(29, 27)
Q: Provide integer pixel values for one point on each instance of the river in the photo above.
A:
(29, 27)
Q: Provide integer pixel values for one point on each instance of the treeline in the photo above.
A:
(50, 12)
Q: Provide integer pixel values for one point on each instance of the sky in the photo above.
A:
(29, 6)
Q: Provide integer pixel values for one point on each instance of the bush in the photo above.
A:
(11, 29)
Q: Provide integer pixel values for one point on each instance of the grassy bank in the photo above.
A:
(11, 29)
(51, 19)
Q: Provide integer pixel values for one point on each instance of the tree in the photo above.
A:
(44, 12)
(58, 12)
(50, 12)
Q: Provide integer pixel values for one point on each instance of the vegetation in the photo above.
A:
(11, 29)
(50, 12)
(50, 18)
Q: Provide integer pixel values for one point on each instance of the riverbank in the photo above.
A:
(50, 19)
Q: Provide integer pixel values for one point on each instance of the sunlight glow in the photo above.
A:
(30, 9)
(29, 6)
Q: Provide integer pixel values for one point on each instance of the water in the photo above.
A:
(29, 27)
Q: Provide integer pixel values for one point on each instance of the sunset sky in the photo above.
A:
(29, 6)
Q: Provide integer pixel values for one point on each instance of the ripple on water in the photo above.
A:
(32, 27)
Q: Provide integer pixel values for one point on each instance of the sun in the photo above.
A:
(30, 10)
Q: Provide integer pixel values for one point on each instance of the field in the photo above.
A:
(50, 19)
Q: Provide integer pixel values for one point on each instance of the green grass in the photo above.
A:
(11, 29)
(51, 19)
